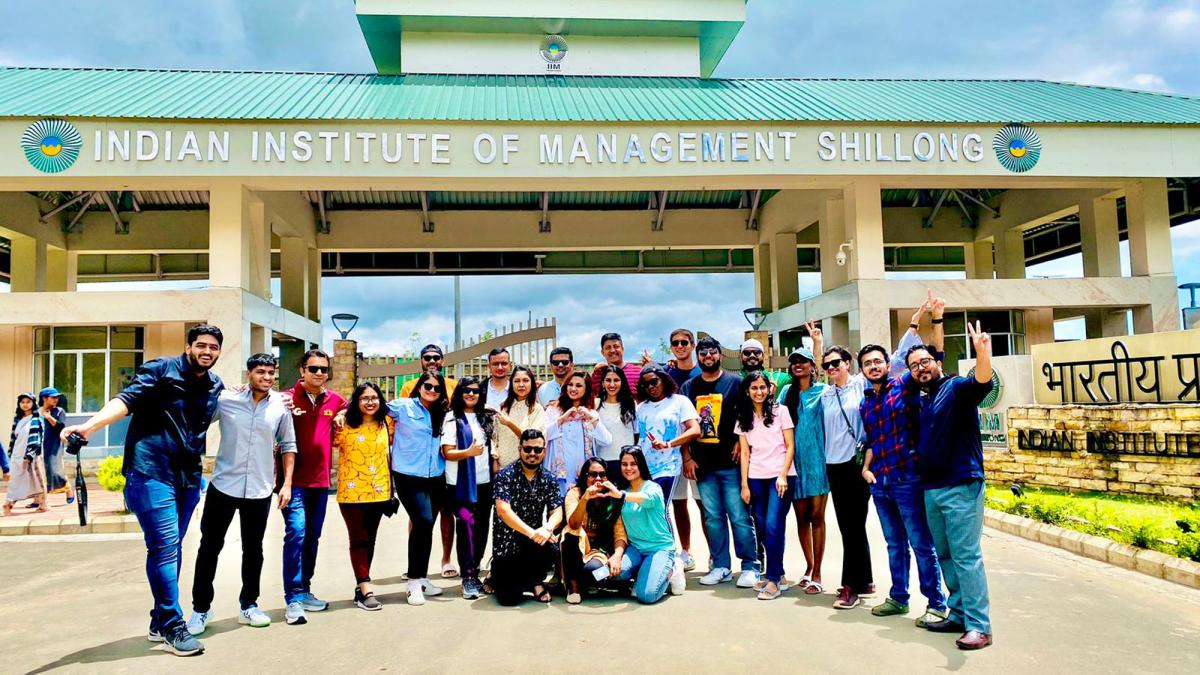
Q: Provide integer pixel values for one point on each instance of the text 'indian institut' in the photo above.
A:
(496, 140)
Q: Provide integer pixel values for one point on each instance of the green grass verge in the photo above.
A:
(1170, 527)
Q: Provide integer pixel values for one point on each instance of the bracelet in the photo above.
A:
(914, 326)
(936, 321)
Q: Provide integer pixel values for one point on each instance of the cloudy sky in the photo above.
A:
(1123, 43)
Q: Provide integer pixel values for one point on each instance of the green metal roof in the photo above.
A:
(229, 95)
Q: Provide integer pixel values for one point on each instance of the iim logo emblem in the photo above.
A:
(51, 146)
(993, 397)
(554, 50)
(1017, 147)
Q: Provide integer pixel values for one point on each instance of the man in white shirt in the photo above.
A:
(499, 365)
(562, 364)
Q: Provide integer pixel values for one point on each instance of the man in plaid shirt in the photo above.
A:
(890, 468)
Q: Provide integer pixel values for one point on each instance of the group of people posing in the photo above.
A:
(570, 479)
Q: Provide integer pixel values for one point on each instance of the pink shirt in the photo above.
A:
(767, 449)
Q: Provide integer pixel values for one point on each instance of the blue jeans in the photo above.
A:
(770, 520)
(955, 517)
(302, 522)
(901, 509)
(163, 510)
(3, 459)
(721, 501)
(653, 572)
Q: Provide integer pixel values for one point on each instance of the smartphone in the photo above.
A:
(602, 573)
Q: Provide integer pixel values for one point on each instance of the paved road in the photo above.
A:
(79, 604)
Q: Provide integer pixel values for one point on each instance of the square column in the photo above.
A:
(314, 285)
(978, 258)
(239, 240)
(1098, 233)
(763, 294)
(1010, 254)
(1148, 215)
(831, 229)
(28, 266)
(785, 272)
(864, 224)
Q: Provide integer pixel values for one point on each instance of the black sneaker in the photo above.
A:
(182, 643)
(368, 602)
(471, 588)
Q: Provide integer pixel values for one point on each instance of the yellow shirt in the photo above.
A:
(407, 388)
(363, 468)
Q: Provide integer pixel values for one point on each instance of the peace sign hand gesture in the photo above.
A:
(981, 341)
(814, 331)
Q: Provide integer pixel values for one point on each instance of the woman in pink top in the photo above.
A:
(768, 474)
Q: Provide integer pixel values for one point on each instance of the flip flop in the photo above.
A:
(767, 595)
(449, 571)
(804, 581)
(543, 597)
(814, 588)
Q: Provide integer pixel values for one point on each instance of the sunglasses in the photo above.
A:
(923, 363)
(560, 364)
(830, 365)
(533, 449)
(430, 386)
(472, 391)
(597, 474)
(317, 370)
(430, 358)
(708, 351)
(680, 343)
(752, 352)
(652, 382)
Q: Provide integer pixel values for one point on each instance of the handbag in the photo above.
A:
(860, 448)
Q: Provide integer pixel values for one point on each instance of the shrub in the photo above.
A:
(1143, 533)
(1189, 546)
(109, 474)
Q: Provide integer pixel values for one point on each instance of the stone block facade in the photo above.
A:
(1148, 450)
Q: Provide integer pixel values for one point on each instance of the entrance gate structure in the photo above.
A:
(493, 141)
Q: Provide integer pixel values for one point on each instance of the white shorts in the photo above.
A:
(685, 489)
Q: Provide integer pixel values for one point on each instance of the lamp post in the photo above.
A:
(344, 323)
(756, 316)
(344, 376)
(1191, 315)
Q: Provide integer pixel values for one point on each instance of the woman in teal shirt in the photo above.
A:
(651, 551)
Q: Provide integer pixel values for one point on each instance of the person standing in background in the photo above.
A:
(54, 418)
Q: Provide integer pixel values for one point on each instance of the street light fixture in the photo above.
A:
(340, 322)
(755, 316)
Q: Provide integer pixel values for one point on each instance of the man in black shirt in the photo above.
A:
(712, 460)
(527, 514)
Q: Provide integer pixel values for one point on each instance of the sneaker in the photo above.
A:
(252, 616)
(154, 636)
(368, 602)
(889, 607)
(471, 588)
(931, 616)
(678, 581)
(295, 615)
(197, 624)
(747, 579)
(312, 603)
(429, 589)
(416, 595)
(689, 563)
(182, 643)
(717, 575)
(847, 598)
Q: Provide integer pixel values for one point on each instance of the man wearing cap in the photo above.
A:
(754, 358)
(54, 419)
(433, 361)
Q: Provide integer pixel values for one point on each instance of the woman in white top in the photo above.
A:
(466, 439)
(573, 431)
(618, 414)
(518, 412)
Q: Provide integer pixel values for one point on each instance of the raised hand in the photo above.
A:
(925, 307)
(981, 341)
(814, 331)
(938, 307)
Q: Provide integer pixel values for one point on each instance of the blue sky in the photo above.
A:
(1122, 43)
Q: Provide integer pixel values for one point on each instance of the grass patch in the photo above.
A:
(1170, 527)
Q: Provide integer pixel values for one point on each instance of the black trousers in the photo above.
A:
(472, 523)
(515, 574)
(423, 499)
(214, 524)
(851, 497)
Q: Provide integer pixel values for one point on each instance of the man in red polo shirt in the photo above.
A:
(314, 408)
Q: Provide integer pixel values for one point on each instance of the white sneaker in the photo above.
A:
(253, 616)
(295, 615)
(717, 575)
(429, 589)
(195, 625)
(689, 563)
(678, 581)
(747, 579)
(416, 597)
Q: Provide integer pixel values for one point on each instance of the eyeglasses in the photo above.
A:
(597, 474)
(680, 343)
(830, 365)
(752, 352)
(369, 399)
(430, 386)
(472, 391)
(708, 351)
(560, 364)
(430, 358)
(317, 370)
(652, 382)
(533, 449)
(923, 363)
(873, 362)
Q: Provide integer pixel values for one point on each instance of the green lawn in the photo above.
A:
(1145, 523)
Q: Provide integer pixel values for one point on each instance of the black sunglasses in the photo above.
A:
(652, 382)
(597, 474)
(317, 370)
(680, 343)
(431, 357)
(533, 449)
(430, 386)
(560, 364)
(830, 365)
(471, 391)
(752, 352)
(708, 351)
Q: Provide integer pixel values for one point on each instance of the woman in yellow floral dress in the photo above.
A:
(364, 481)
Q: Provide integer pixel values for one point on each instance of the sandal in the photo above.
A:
(449, 571)
(764, 594)
(814, 588)
(542, 596)
(804, 581)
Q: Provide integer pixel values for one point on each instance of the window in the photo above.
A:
(88, 364)
(1007, 328)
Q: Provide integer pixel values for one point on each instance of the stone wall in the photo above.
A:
(345, 371)
(1149, 450)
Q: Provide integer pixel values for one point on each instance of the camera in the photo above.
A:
(75, 443)
(841, 258)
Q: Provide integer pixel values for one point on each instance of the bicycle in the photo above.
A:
(75, 443)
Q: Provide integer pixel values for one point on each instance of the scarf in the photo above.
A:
(465, 490)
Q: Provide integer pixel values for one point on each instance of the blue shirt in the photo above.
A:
(646, 523)
(171, 409)
(415, 450)
(949, 450)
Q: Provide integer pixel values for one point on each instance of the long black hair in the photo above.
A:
(624, 396)
(21, 413)
(638, 456)
(745, 406)
(458, 406)
(437, 412)
(791, 397)
(564, 401)
(354, 415)
(530, 398)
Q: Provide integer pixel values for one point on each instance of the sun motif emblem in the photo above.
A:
(1017, 147)
(52, 145)
(554, 48)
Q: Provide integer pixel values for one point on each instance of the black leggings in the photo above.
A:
(422, 499)
(851, 497)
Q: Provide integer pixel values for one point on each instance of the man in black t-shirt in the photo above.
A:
(712, 461)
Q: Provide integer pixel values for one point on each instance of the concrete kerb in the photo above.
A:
(1152, 563)
(98, 525)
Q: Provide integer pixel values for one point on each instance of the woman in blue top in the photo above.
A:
(651, 552)
(418, 469)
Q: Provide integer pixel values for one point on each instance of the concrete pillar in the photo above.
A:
(345, 367)
(869, 325)
(837, 331)
(785, 273)
(1148, 215)
(59, 273)
(864, 224)
(16, 369)
(1161, 313)
(831, 229)
(1039, 326)
(314, 285)
(763, 295)
(28, 267)
(260, 339)
(1010, 254)
(290, 352)
(1098, 233)
(1106, 322)
(239, 240)
(978, 258)
(293, 274)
